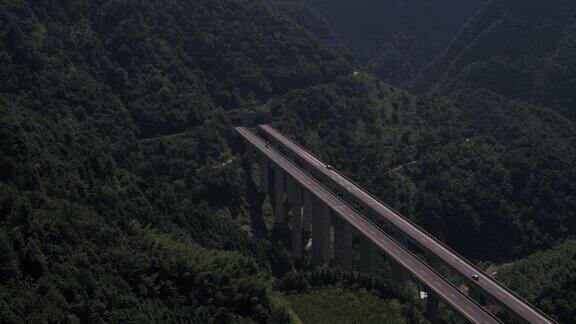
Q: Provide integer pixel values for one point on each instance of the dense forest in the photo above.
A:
(524, 49)
(122, 194)
(547, 279)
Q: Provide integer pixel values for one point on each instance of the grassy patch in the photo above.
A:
(341, 305)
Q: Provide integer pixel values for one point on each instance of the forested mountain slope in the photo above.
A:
(492, 177)
(547, 279)
(120, 190)
(120, 193)
(311, 19)
(396, 38)
(519, 48)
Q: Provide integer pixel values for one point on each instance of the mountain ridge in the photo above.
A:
(519, 49)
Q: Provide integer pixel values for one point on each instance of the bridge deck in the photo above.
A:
(420, 270)
(418, 235)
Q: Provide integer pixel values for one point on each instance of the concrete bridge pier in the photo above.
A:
(290, 190)
(321, 222)
(249, 155)
(398, 273)
(308, 212)
(343, 244)
(433, 307)
(279, 198)
(368, 256)
(297, 248)
(264, 174)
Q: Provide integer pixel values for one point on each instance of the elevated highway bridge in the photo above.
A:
(320, 197)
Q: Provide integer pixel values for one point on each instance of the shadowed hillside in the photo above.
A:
(396, 38)
(521, 49)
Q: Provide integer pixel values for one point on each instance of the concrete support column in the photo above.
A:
(399, 274)
(343, 240)
(264, 174)
(279, 197)
(290, 189)
(321, 235)
(433, 307)
(249, 154)
(297, 248)
(308, 212)
(368, 256)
